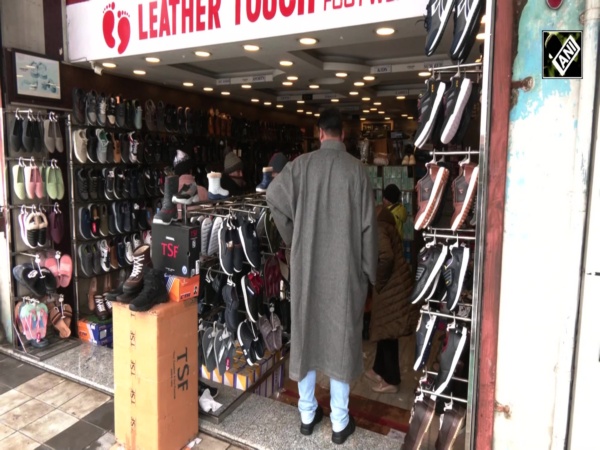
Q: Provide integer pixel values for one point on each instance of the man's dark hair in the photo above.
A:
(331, 122)
(391, 193)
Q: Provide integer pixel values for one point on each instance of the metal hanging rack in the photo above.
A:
(460, 67)
(467, 152)
(457, 236)
(447, 316)
(447, 397)
(462, 380)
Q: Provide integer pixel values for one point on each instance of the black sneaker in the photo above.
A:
(92, 145)
(425, 331)
(153, 292)
(121, 252)
(246, 338)
(451, 353)
(438, 13)
(149, 181)
(339, 437)
(430, 261)
(91, 108)
(109, 183)
(421, 415)
(100, 185)
(112, 222)
(86, 259)
(119, 221)
(250, 300)
(111, 111)
(120, 112)
(133, 184)
(78, 106)
(141, 215)
(96, 258)
(307, 428)
(126, 216)
(83, 184)
(467, 113)
(93, 177)
(141, 184)
(258, 348)
(124, 147)
(226, 247)
(454, 274)
(467, 18)
(250, 241)
(231, 308)
(94, 220)
(119, 183)
(429, 107)
(456, 99)
(85, 223)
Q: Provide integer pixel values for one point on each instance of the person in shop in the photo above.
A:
(392, 314)
(232, 178)
(391, 200)
(323, 206)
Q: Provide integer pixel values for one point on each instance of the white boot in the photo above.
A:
(215, 191)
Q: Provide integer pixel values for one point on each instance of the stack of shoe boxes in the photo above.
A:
(95, 331)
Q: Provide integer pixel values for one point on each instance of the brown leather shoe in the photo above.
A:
(420, 419)
(141, 261)
(430, 189)
(464, 188)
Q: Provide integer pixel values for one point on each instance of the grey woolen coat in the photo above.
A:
(323, 206)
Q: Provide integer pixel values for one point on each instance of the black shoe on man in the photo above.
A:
(307, 428)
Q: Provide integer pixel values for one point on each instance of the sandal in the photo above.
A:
(59, 323)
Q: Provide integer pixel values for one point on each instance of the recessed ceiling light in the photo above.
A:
(300, 102)
(377, 103)
(424, 74)
(309, 113)
(287, 83)
(202, 54)
(208, 89)
(152, 59)
(404, 115)
(483, 19)
(385, 31)
(366, 99)
(341, 74)
(188, 83)
(362, 118)
(480, 37)
(308, 41)
(387, 118)
(335, 100)
(292, 78)
(314, 86)
(317, 114)
(225, 93)
(400, 97)
(366, 111)
(353, 92)
(373, 109)
(380, 112)
(139, 72)
(255, 100)
(286, 63)
(279, 106)
(300, 110)
(267, 103)
(359, 83)
(251, 48)
(410, 117)
(368, 78)
(246, 86)
(109, 65)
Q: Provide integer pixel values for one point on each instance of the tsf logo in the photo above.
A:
(169, 250)
(112, 19)
(562, 54)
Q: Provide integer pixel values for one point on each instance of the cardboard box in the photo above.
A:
(176, 249)
(95, 331)
(181, 289)
(156, 381)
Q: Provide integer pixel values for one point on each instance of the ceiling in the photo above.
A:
(357, 50)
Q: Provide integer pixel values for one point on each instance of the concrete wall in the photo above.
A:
(545, 203)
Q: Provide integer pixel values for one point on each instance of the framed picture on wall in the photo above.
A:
(36, 76)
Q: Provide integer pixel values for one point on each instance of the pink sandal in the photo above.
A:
(65, 270)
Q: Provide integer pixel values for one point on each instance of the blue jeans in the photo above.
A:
(340, 393)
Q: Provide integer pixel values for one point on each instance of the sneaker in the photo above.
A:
(213, 243)
(430, 261)
(112, 221)
(111, 111)
(78, 106)
(246, 338)
(153, 292)
(467, 18)
(85, 223)
(250, 300)
(307, 428)
(231, 308)
(121, 253)
(114, 262)
(225, 237)
(464, 188)
(456, 99)
(128, 249)
(91, 108)
(454, 274)
(339, 437)
(205, 230)
(214, 392)
(83, 184)
(100, 308)
(187, 195)
(118, 216)
(425, 331)
(141, 261)
(421, 417)
(104, 255)
(465, 120)
(451, 422)
(101, 149)
(429, 192)
(250, 241)
(96, 258)
(438, 13)
(137, 241)
(141, 213)
(429, 107)
(113, 294)
(92, 145)
(451, 353)
(119, 186)
(147, 238)
(109, 183)
(86, 259)
(93, 186)
(258, 348)
(126, 216)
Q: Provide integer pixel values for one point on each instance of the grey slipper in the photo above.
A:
(208, 344)
(58, 139)
(49, 140)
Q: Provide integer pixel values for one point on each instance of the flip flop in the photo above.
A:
(208, 344)
(42, 321)
(17, 317)
(57, 320)
(221, 340)
(26, 316)
(65, 270)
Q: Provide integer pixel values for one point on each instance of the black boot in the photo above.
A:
(153, 292)
(168, 211)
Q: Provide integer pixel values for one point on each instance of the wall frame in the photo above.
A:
(36, 76)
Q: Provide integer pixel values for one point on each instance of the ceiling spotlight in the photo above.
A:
(267, 103)
(341, 74)
(385, 31)
(400, 97)
(377, 103)
(279, 106)
(410, 117)
(188, 83)
(373, 109)
(208, 89)
(308, 41)
(300, 102)
(255, 100)
(353, 92)
(314, 86)
(335, 100)
(309, 113)
(287, 83)
(139, 72)
(368, 78)
(480, 37)
(404, 115)
(366, 111)
(366, 99)
(362, 118)
(251, 48)
(387, 118)
(202, 54)
(152, 59)
(424, 74)
(359, 83)
(300, 110)
(292, 78)
(225, 93)
(380, 112)
(109, 65)
(246, 86)
(286, 63)
(317, 115)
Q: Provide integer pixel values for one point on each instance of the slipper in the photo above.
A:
(51, 264)
(59, 323)
(19, 181)
(65, 270)
(67, 314)
(208, 347)
(17, 317)
(385, 389)
(221, 338)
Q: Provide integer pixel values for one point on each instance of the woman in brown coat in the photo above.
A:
(392, 314)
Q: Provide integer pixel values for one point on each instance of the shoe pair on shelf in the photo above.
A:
(238, 239)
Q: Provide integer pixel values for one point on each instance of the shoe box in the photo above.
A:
(176, 249)
(95, 331)
(156, 365)
(181, 289)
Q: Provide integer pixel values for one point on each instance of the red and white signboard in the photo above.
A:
(103, 29)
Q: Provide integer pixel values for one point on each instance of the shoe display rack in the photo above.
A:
(35, 217)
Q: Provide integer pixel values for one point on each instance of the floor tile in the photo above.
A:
(76, 437)
(19, 374)
(210, 443)
(103, 417)
(61, 393)
(106, 442)
(234, 447)
(43, 447)
(17, 441)
(26, 413)
(5, 432)
(49, 426)
(40, 384)
(11, 399)
(85, 403)
(4, 388)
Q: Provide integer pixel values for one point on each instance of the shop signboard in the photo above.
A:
(97, 29)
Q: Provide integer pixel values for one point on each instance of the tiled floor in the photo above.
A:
(39, 410)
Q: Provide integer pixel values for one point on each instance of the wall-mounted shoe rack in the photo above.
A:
(35, 202)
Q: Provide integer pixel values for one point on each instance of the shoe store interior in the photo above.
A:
(137, 223)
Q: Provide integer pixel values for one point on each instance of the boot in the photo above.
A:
(114, 293)
(153, 293)
(188, 191)
(168, 211)
(215, 191)
(141, 260)
(267, 178)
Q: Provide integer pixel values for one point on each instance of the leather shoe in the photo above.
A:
(307, 429)
(341, 436)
